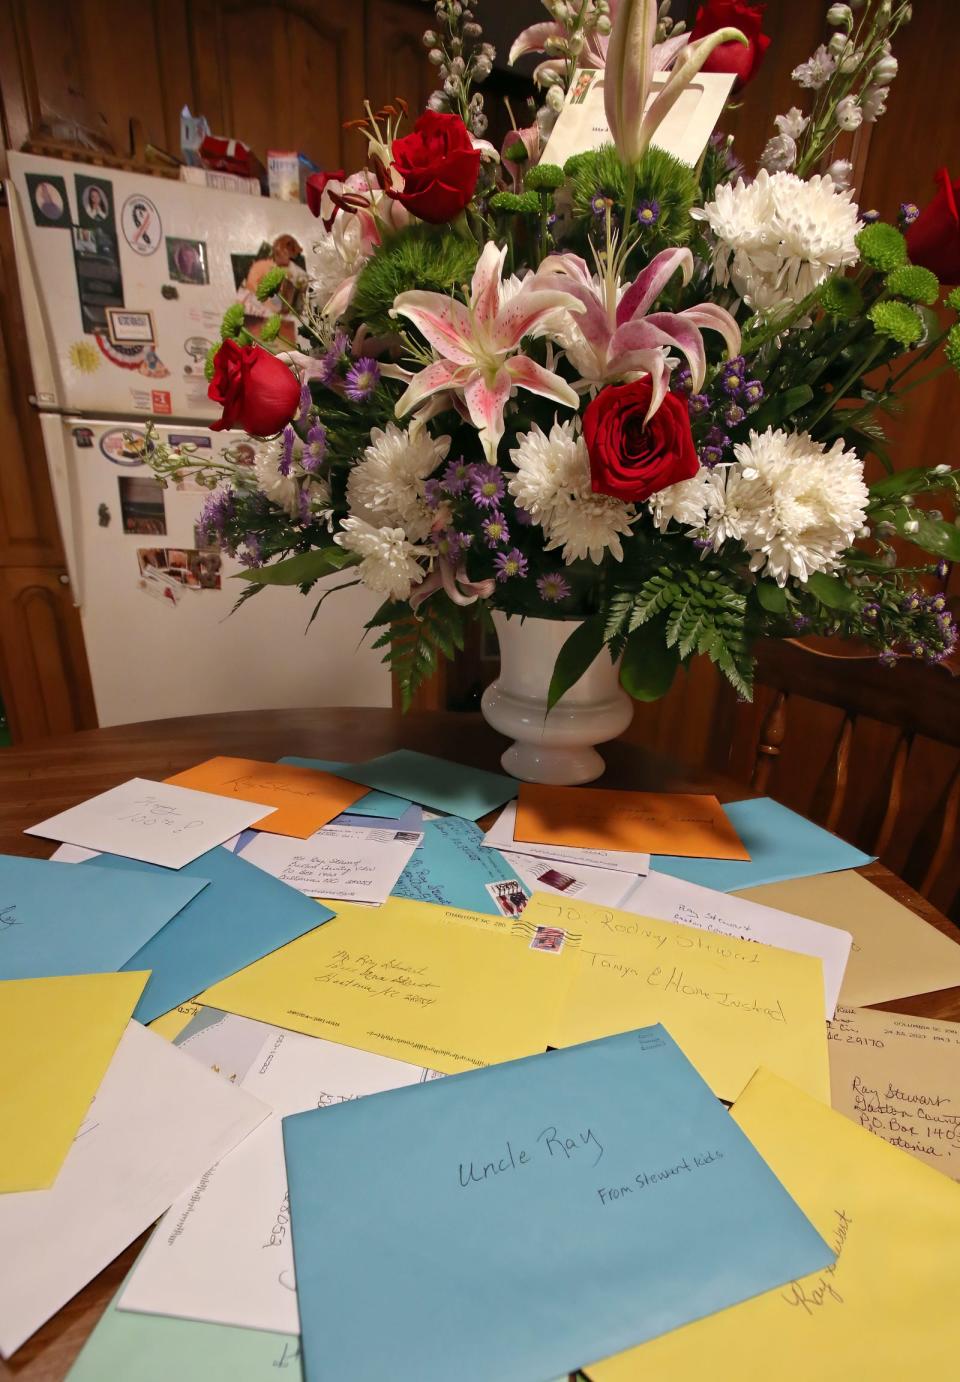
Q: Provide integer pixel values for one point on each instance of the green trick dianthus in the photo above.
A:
(599, 177)
(953, 299)
(545, 177)
(951, 347)
(896, 320)
(435, 260)
(914, 283)
(882, 246)
(840, 297)
(516, 203)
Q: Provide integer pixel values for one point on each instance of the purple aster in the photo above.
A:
(456, 476)
(909, 211)
(648, 213)
(711, 456)
(219, 508)
(887, 657)
(868, 218)
(717, 437)
(286, 452)
(732, 414)
(752, 392)
(682, 380)
(305, 404)
(361, 380)
(523, 518)
(699, 403)
(936, 602)
(942, 569)
(599, 204)
(918, 649)
(800, 622)
(432, 494)
(495, 530)
(909, 603)
(315, 449)
(305, 514)
(486, 486)
(731, 376)
(703, 544)
(553, 587)
(509, 564)
(871, 611)
(253, 556)
(336, 359)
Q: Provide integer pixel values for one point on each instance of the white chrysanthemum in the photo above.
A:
(684, 502)
(282, 490)
(552, 484)
(781, 235)
(389, 562)
(793, 504)
(386, 488)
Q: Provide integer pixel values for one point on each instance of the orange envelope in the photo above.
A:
(305, 799)
(647, 822)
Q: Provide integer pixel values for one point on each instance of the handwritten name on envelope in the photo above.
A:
(731, 1004)
(886, 1309)
(899, 1077)
(426, 990)
(678, 823)
(304, 799)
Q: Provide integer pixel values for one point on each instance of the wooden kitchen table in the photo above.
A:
(38, 781)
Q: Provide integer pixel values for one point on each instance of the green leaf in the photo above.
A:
(933, 534)
(904, 482)
(772, 597)
(575, 657)
(830, 591)
(648, 666)
(781, 406)
(303, 568)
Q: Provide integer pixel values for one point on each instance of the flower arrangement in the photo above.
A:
(625, 392)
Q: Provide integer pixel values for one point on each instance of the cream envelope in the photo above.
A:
(730, 1004)
(900, 1078)
(886, 1310)
(895, 953)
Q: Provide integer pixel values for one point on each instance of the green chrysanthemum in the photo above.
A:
(914, 283)
(882, 246)
(661, 178)
(840, 297)
(208, 364)
(953, 299)
(514, 203)
(896, 320)
(271, 283)
(271, 328)
(951, 347)
(232, 323)
(517, 153)
(419, 256)
(546, 177)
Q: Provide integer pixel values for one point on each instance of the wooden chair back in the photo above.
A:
(920, 703)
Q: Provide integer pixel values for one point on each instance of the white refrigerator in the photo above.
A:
(125, 279)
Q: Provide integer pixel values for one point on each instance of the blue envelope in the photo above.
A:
(434, 782)
(56, 921)
(373, 804)
(781, 845)
(452, 866)
(243, 915)
(514, 1222)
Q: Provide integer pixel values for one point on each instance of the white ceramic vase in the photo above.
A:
(557, 747)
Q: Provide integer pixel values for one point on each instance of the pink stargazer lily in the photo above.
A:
(619, 338)
(476, 345)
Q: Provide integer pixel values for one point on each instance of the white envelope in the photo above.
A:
(158, 1121)
(606, 887)
(672, 899)
(223, 1253)
(500, 836)
(153, 821)
(339, 863)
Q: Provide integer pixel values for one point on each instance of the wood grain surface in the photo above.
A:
(38, 781)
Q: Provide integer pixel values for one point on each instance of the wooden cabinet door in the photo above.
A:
(396, 60)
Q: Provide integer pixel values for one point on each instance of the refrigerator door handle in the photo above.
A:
(63, 484)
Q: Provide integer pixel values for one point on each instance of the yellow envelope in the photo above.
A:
(731, 1004)
(305, 798)
(886, 1310)
(679, 823)
(407, 981)
(170, 1025)
(895, 953)
(57, 1037)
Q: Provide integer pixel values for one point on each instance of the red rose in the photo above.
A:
(629, 459)
(933, 241)
(316, 183)
(258, 392)
(439, 167)
(733, 57)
